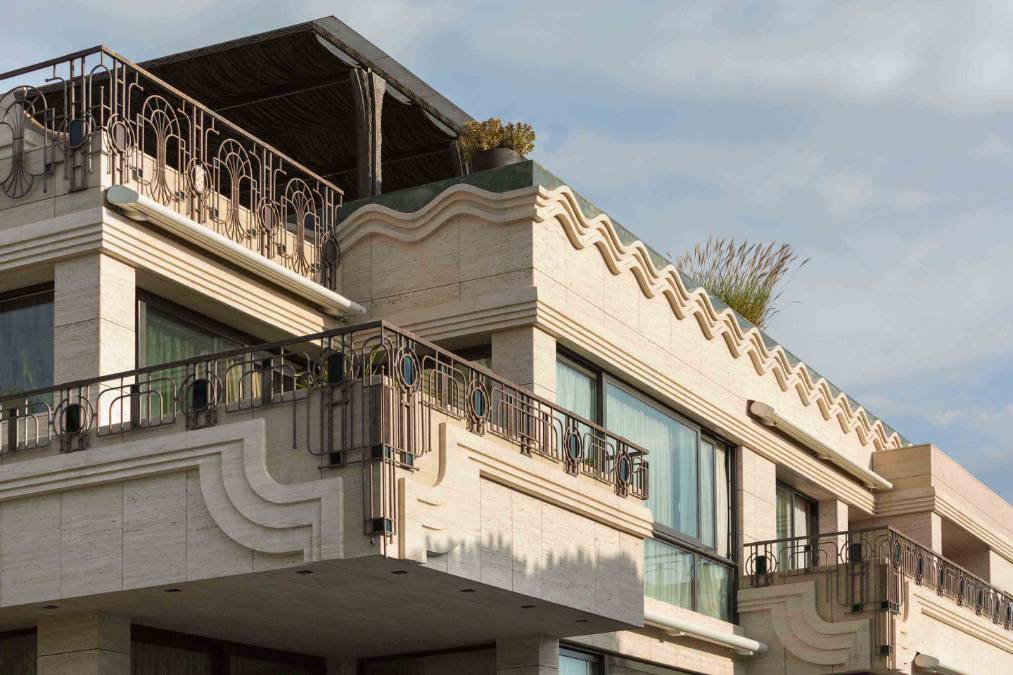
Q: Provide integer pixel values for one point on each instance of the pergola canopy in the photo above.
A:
(329, 98)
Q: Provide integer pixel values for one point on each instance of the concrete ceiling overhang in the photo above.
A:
(366, 606)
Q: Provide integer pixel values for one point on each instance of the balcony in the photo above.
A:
(873, 596)
(368, 393)
(94, 119)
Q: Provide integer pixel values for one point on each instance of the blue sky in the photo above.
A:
(877, 138)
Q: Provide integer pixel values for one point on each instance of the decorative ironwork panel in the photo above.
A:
(171, 149)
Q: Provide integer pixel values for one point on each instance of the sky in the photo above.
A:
(876, 138)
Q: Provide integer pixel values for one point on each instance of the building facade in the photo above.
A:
(285, 389)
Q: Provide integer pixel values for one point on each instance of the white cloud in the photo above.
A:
(994, 147)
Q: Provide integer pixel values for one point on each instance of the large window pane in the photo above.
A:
(673, 448)
(166, 339)
(721, 503)
(668, 574)
(26, 342)
(17, 654)
(575, 390)
(154, 659)
(244, 665)
(707, 501)
(577, 665)
(714, 587)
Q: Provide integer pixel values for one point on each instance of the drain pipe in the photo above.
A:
(683, 628)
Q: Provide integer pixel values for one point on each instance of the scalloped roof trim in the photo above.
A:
(713, 317)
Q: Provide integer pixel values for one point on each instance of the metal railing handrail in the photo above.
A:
(150, 396)
(102, 49)
(900, 549)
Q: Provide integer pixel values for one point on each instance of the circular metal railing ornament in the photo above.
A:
(478, 401)
(73, 417)
(409, 372)
(199, 394)
(573, 444)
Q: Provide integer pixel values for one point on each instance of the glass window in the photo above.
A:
(156, 659)
(714, 588)
(164, 337)
(167, 339)
(796, 515)
(576, 390)
(245, 665)
(668, 573)
(578, 663)
(673, 456)
(688, 563)
(26, 341)
(17, 654)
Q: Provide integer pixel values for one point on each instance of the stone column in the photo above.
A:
(84, 644)
(527, 655)
(757, 496)
(925, 528)
(94, 317)
(526, 356)
(833, 517)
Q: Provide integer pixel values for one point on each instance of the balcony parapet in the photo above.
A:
(371, 393)
(867, 568)
(95, 118)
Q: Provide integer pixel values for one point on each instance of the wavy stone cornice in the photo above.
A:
(583, 232)
(562, 205)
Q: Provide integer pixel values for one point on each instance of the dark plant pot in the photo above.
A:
(483, 160)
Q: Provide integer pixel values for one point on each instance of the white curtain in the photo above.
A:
(668, 574)
(713, 588)
(721, 501)
(707, 497)
(574, 390)
(673, 457)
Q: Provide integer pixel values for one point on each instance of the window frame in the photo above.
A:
(596, 658)
(813, 510)
(32, 296)
(220, 651)
(183, 315)
(663, 533)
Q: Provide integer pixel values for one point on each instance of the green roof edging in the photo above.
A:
(530, 173)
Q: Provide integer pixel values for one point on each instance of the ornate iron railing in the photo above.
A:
(168, 147)
(362, 392)
(870, 564)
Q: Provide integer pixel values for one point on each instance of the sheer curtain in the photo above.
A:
(707, 497)
(668, 574)
(721, 503)
(575, 390)
(167, 339)
(714, 584)
(26, 343)
(673, 448)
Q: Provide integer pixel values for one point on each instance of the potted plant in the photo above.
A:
(491, 144)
